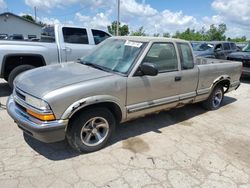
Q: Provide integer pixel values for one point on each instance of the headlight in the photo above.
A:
(37, 103)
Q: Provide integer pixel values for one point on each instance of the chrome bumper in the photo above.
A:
(51, 131)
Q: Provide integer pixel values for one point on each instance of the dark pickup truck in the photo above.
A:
(244, 57)
(215, 50)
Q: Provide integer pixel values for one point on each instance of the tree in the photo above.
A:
(217, 33)
(123, 30)
(167, 35)
(28, 17)
(189, 34)
(139, 32)
(156, 35)
(238, 39)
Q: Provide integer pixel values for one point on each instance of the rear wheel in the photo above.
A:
(215, 99)
(91, 130)
(16, 71)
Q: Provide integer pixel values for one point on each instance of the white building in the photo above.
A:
(11, 24)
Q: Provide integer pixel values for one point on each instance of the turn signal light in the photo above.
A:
(43, 117)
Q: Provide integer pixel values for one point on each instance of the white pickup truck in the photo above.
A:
(56, 44)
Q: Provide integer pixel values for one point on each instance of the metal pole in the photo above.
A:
(118, 17)
(35, 13)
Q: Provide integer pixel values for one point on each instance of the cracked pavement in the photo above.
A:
(184, 147)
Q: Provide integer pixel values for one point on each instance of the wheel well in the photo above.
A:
(12, 61)
(225, 83)
(114, 108)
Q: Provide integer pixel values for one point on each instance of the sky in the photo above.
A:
(156, 16)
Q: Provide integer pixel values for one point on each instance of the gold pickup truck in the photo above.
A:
(122, 79)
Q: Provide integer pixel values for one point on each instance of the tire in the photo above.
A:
(91, 130)
(16, 71)
(215, 99)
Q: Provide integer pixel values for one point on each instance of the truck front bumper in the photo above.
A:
(50, 131)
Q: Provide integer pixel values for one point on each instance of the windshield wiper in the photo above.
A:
(93, 65)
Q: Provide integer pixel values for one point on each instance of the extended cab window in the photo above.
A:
(233, 46)
(75, 35)
(164, 56)
(99, 36)
(186, 56)
(226, 46)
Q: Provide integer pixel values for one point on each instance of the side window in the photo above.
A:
(226, 46)
(164, 56)
(233, 46)
(75, 35)
(218, 47)
(99, 36)
(186, 56)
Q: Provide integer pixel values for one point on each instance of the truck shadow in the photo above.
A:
(5, 90)
(61, 150)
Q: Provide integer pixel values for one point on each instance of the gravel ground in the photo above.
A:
(185, 147)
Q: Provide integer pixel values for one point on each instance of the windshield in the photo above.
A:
(203, 47)
(115, 55)
(246, 48)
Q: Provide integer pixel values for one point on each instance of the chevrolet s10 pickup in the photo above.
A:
(122, 79)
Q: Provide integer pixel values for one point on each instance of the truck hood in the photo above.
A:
(240, 55)
(40, 81)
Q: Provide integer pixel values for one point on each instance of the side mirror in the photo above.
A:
(149, 69)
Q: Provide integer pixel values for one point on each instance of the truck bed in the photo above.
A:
(212, 70)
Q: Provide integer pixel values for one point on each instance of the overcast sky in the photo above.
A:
(157, 16)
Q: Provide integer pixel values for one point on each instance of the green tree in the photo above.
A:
(139, 32)
(28, 17)
(238, 39)
(123, 30)
(167, 35)
(217, 33)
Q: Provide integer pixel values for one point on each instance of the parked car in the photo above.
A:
(217, 50)
(57, 44)
(3, 36)
(15, 37)
(122, 79)
(244, 57)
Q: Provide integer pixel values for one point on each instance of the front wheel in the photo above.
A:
(215, 99)
(91, 130)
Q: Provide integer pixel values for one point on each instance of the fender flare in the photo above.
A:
(221, 79)
(93, 100)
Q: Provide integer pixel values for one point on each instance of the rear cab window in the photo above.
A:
(186, 56)
(233, 46)
(75, 35)
(226, 46)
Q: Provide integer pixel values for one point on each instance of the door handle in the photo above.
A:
(177, 78)
(67, 49)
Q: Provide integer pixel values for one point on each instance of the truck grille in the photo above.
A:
(21, 96)
(19, 99)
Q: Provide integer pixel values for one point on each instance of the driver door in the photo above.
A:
(219, 51)
(146, 94)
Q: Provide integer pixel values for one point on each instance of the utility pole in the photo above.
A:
(35, 13)
(118, 17)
